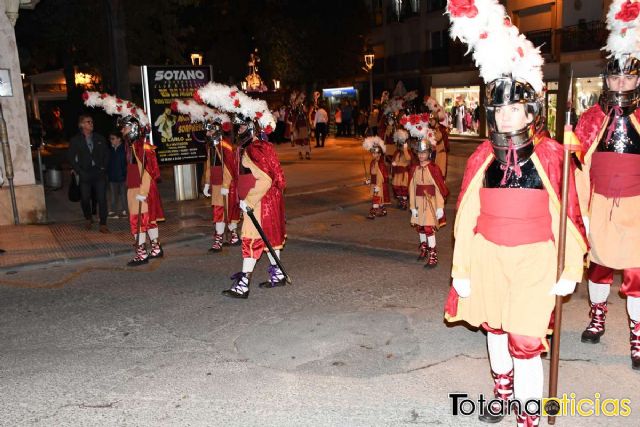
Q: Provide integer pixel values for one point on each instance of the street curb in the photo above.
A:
(71, 261)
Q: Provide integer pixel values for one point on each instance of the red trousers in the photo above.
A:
(425, 229)
(520, 346)
(630, 278)
(252, 248)
(145, 225)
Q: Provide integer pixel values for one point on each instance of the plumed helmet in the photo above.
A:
(134, 132)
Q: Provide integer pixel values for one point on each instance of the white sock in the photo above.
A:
(431, 241)
(232, 226)
(271, 259)
(499, 357)
(141, 238)
(633, 308)
(153, 233)
(598, 292)
(528, 378)
(219, 227)
(248, 264)
(423, 237)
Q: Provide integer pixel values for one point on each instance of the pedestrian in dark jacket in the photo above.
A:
(117, 172)
(89, 157)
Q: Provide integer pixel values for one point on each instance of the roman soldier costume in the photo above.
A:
(427, 189)
(261, 182)
(437, 123)
(221, 170)
(145, 206)
(505, 255)
(400, 169)
(300, 129)
(378, 177)
(609, 183)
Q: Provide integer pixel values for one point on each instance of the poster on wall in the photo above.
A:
(178, 141)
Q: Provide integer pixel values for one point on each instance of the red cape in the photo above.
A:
(590, 123)
(272, 216)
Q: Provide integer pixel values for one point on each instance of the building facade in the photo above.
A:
(411, 42)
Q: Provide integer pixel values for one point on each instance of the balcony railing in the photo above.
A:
(541, 39)
(584, 36)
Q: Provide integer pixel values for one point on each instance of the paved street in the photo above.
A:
(357, 340)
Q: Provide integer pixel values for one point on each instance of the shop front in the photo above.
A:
(461, 105)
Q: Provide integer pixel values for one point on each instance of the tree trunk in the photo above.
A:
(118, 48)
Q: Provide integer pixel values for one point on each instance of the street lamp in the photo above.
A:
(276, 84)
(196, 59)
(369, 58)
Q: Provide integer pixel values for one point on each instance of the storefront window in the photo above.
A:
(586, 91)
(551, 105)
(461, 105)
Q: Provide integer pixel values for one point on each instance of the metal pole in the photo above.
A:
(8, 165)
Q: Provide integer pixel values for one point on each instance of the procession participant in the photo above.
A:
(261, 182)
(506, 228)
(400, 169)
(437, 121)
(378, 176)
(427, 189)
(393, 111)
(609, 184)
(145, 206)
(300, 133)
(221, 170)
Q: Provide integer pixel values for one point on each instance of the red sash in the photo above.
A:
(615, 175)
(245, 183)
(216, 175)
(514, 216)
(424, 190)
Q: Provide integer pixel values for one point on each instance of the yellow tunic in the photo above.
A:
(614, 230)
(426, 205)
(227, 177)
(510, 285)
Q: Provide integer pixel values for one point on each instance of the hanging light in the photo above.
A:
(397, 5)
(415, 6)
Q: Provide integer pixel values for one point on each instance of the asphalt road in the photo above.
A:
(357, 340)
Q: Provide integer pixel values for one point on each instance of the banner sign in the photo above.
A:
(176, 138)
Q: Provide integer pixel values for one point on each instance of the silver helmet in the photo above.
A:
(246, 136)
(505, 91)
(135, 129)
(627, 100)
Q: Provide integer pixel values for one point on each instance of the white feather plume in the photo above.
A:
(498, 47)
(115, 106)
(435, 108)
(232, 100)
(371, 141)
(418, 127)
(624, 35)
(199, 112)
